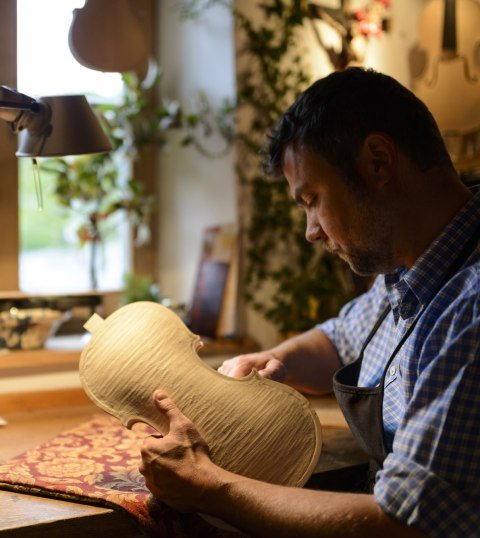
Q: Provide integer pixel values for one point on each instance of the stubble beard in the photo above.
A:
(373, 254)
(366, 262)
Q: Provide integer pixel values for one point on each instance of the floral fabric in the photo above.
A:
(97, 463)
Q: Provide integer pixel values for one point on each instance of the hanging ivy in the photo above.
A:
(293, 283)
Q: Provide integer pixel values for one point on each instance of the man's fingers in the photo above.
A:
(175, 418)
(225, 367)
(162, 401)
(236, 367)
(240, 370)
(156, 436)
(274, 370)
(242, 366)
(166, 406)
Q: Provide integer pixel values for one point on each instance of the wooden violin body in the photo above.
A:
(108, 36)
(253, 426)
(445, 65)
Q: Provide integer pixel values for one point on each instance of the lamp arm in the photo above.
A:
(16, 108)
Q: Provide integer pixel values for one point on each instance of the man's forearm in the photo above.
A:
(310, 360)
(265, 510)
(178, 470)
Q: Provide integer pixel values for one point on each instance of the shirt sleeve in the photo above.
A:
(350, 328)
(431, 479)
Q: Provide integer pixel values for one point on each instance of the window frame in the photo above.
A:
(144, 258)
(9, 243)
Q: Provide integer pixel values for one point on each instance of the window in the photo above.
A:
(51, 258)
(144, 259)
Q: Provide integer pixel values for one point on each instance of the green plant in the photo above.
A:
(93, 187)
(301, 284)
(192, 9)
(137, 121)
(89, 187)
(139, 288)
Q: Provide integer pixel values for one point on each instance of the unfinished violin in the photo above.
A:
(445, 64)
(254, 426)
(108, 36)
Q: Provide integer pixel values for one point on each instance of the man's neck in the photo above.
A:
(427, 204)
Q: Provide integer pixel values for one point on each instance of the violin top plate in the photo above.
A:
(253, 426)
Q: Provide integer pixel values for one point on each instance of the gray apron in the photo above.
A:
(362, 406)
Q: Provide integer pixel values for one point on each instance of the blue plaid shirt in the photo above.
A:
(431, 409)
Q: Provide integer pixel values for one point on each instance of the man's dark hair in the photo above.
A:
(335, 114)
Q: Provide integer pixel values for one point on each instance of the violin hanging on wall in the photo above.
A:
(108, 36)
(445, 65)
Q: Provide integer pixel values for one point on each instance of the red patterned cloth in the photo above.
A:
(97, 463)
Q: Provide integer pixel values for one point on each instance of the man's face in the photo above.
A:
(347, 218)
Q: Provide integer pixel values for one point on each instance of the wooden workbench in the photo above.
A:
(35, 417)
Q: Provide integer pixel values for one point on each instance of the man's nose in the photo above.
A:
(314, 231)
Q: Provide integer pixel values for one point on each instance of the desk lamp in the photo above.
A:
(51, 127)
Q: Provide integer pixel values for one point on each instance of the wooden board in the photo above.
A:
(27, 516)
(208, 298)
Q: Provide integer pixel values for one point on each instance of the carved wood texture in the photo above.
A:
(255, 427)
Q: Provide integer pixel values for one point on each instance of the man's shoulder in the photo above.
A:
(464, 286)
(452, 320)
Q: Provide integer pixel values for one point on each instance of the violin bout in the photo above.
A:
(445, 64)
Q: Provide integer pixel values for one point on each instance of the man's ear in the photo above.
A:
(377, 159)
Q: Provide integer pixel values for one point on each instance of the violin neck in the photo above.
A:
(449, 42)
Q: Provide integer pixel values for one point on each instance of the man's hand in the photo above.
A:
(177, 468)
(178, 471)
(264, 362)
(306, 362)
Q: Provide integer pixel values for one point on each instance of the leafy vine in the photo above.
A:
(92, 186)
(293, 283)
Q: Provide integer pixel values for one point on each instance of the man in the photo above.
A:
(365, 160)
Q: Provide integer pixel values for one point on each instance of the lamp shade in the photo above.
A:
(64, 125)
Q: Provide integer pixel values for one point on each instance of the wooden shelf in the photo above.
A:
(56, 301)
(19, 363)
(60, 355)
(227, 346)
(63, 354)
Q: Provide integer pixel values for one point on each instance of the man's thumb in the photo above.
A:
(166, 406)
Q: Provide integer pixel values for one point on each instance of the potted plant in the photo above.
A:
(293, 283)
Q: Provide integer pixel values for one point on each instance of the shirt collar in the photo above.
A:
(409, 289)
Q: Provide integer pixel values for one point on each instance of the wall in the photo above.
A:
(390, 52)
(195, 191)
(8, 162)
